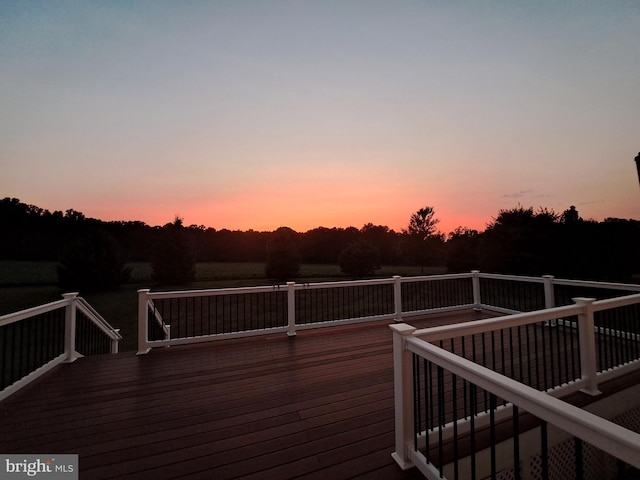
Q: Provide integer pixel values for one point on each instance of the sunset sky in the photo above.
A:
(259, 114)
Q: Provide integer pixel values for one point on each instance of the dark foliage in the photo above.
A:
(519, 240)
(283, 257)
(422, 244)
(360, 259)
(92, 263)
(173, 262)
(463, 250)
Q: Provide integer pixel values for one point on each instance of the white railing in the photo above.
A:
(171, 318)
(411, 344)
(35, 340)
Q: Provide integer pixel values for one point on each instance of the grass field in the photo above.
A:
(28, 284)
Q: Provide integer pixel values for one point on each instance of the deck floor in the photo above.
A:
(316, 406)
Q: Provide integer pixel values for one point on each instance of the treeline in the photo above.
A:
(519, 241)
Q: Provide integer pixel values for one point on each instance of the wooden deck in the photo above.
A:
(316, 406)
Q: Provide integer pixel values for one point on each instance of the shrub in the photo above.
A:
(173, 261)
(283, 258)
(359, 259)
(92, 263)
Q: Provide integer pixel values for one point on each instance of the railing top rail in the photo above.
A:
(609, 437)
(344, 283)
(426, 278)
(31, 312)
(455, 330)
(215, 291)
(594, 284)
(445, 332)
(516, 278)
(300, 286)
(98, 319)
(609, 303)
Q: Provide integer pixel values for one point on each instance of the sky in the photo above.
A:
(246, 114)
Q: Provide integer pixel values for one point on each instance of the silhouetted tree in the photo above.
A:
(359, 259)
(385, 240)
(92, 263)
(570, 216)
(283, 257)
(462, 250)
(173, 262)
(521, 241)
(423, 244)
(422, 224)
(323, 245)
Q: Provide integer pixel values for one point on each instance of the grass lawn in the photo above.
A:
(29, 284)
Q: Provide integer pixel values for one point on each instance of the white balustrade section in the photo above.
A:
(399, 307)
(407, 340)
(67, 309)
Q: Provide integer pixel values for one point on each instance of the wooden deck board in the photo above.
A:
(316, 406)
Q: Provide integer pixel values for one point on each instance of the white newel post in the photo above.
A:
(403, 394)
(114, 344)
(70, 327)
(549, 297)
(475, 280)
(397, 297)
(291, 309)
(143, 322)
(587, 346)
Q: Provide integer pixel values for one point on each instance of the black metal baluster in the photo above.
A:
(626, 334)
(543, 451)
(563, 326)
(427, 406)
(602, 353)
(516, 442)
(454, 391)
(492, 434)
(465, 405)
(441, 419)
(3, 357)
(502, 354)
(549, 329)
(19, 349)
(579, 458)
(520, 354)
(536, 355)
(512, 373)
(527, 329)
(484, 364)
(473, 400)
(493, 350)
(417, 401)
(430, 394)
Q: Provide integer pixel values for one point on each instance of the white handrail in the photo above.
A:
(69, 305)
(31, 312)
(445, 332)
(97, 319)
(594, 284)
(395, 311)
(607, 436)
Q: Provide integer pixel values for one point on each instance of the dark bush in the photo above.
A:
(361, 258)
(92, 263)
(173, 261)
(283, 257)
